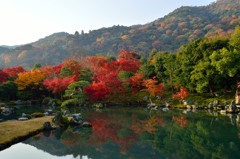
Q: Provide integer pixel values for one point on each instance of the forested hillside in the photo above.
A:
(168, 33)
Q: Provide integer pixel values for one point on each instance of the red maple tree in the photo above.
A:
(97, 91)
(52, 71)
(3, 77)
(182, 94)
(13, 71)
(58, 85)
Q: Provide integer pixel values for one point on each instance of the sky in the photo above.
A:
(26, 21)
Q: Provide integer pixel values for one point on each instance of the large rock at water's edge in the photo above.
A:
(7, 111)
(232, 108)
(86, 124)
(47, 126)
(76, 119)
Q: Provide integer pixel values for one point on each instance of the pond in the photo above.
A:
(134, 133)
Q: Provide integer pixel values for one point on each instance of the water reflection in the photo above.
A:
(26, 151)
(133, 133)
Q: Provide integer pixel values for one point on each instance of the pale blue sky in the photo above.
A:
(25, 21)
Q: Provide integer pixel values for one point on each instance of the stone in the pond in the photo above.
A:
(22, 118)
(47, 126)
(86, 124)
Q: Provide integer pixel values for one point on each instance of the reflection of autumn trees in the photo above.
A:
(150, 125)
(181, 120)
(104, 129)
(168, 135)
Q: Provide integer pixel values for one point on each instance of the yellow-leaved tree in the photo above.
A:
(31, 79)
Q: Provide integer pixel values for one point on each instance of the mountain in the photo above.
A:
(168, 33)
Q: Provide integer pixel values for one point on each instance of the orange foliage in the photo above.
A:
(136, 82)
(182, 94)
(149, 125)
(181, 120)
(73, 65)
(52, 71)
(153, 88)
(94, 62)
(31, 79)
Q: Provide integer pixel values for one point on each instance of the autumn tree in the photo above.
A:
(3, 77)
(135, 82)
(14, 71)
(97, 91)
(52, 71)
(73, 65)
(94, 62)
(182, 94)
(153, 88)
(59, 84)
(31, 79)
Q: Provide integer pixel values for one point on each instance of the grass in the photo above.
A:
(14, 131)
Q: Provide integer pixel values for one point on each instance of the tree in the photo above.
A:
(73, 65)
(3, 77)
(75, 93)
(97, 91)
(37, 66)
(59, 84)
(52, 71)
(94, 62)
(182, 94)
(31, 79)
(234, 40)
(171, 65)
(153, 88)
(226, 61)
(8, 90)
(136, 82)
(14, 71)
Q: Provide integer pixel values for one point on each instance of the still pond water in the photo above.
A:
(135, 133)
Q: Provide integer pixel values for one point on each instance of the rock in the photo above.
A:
(223, 111)
(189, 107)
(18, 102)
(24, 115)
(77, 119)
(165, 109)
(46, 113)
(98, 105)
(145, 98)
(47, 126)
(50, 111)
(6, 112)
(210, 105)
(60, 120)
(2, 105)
(232, 107)
(215, 103)
(57, 118)
(22, 118)
(194, 107)
(86, 124)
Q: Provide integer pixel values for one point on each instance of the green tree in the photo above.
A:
(235, 38)
(75, 93)
(66, 72)
(8, 90)
(171, 66)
